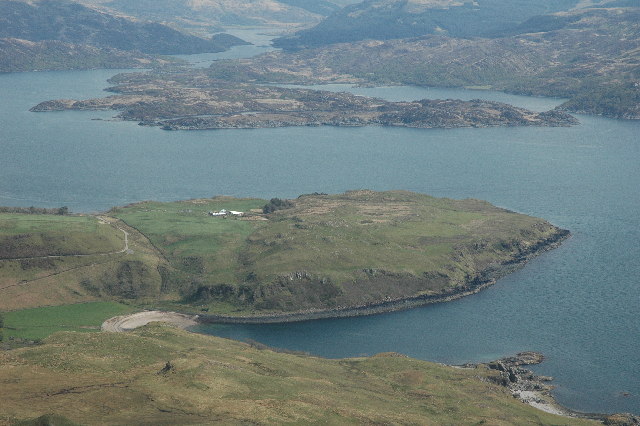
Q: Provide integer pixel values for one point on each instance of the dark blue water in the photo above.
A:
(577, 304)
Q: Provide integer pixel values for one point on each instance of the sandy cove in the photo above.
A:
(133, 321)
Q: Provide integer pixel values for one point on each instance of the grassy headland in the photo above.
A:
(333, 252)
(162, 375)
(318, 253)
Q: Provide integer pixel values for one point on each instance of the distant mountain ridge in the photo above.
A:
(71, 22)
(591, 56)
(391, 19)
(210, 14)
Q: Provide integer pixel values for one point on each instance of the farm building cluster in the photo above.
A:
(225, 212)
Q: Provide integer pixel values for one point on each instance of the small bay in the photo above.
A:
(577, 304)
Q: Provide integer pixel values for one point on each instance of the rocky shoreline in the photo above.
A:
(487, 278)
(535, 390)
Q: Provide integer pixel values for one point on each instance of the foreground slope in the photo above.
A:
(56, 260)
(161, 375)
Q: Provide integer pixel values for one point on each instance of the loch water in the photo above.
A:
(577, 304)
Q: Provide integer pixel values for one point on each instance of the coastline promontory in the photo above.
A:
(252, 260)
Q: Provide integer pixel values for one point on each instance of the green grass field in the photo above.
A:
(193, 241)
(38, 323)
(57, 260)
(329, 250)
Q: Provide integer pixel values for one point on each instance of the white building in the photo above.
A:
(225, 212)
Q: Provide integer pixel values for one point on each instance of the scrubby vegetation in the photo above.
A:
(71, 22)
(35, 210)
(392, 19)
(276, 204)
(613, 100)
(18, 55)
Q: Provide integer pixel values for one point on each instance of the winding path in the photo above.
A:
(103, 220)
(58, 256)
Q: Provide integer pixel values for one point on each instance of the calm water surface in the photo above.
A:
(578, 304)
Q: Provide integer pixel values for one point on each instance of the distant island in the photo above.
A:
(189, 99)
(231, 259)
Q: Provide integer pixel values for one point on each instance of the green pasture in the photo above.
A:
(38, 323)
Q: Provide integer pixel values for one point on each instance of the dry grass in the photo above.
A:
(116, 379)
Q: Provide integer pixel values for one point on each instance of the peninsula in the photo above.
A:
(235, 260)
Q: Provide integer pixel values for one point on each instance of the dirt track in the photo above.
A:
(102, 220)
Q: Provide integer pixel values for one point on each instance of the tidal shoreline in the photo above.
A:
(535, 390)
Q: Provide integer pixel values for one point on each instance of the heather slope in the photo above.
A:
(207, 15)
(24, 55)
